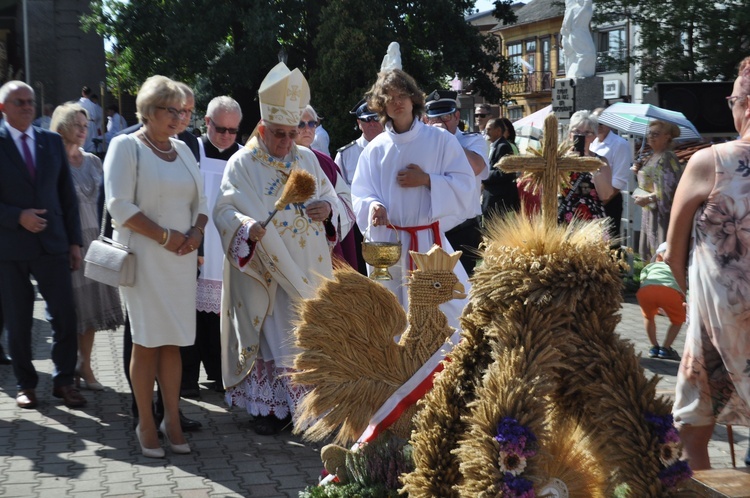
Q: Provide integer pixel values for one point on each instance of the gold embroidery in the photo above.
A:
(293, 92)
(320, 258)
(302, 242)
(245, 355)
(256, 322)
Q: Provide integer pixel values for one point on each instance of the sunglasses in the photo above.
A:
(480, 115)
(281, 134)
(368, 119)
(223, 129)
(309, 124)
(176, 113)
(22, 102)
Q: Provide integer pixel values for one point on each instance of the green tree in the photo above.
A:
(683, 40)
(435, 40)
(228, 47)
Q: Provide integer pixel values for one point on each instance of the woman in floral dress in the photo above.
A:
(584, 199)
(659, 175)
(713, 198)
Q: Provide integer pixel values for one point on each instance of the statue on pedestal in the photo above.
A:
(578, 45)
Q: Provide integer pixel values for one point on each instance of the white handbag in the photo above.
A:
(109, 262)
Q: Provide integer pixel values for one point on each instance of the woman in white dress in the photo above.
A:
(97, 305)
(154, 193)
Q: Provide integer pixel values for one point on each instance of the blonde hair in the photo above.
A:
(64, 117)
(157, 91)
(670, 129)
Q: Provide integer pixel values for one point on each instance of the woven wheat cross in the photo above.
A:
(550, 168)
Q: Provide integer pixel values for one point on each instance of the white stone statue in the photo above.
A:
(392, 59)
(578, 44)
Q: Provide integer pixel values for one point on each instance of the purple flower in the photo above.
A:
(517, 487)
(515, 438)
(673, 474)
(663, 427)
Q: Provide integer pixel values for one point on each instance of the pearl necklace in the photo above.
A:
(170, 150)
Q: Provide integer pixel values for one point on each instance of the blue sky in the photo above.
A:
(483, 5)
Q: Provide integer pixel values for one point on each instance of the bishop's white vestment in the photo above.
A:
(263, 279)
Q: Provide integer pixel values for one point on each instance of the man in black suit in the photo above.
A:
(500, 191)
(40, 237)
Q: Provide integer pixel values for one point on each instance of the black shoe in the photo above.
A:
(188, 424)
(747, 457)
(270, 425)
(4, 358)
(190, 392)
(218, 387)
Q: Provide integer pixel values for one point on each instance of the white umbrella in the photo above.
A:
(535, 119)
(635, 118)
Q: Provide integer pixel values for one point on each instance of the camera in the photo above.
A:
(579, 144)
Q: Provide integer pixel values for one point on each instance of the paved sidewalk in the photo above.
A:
(55, 451)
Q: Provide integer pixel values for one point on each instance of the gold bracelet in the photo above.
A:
(203, 234)
(165, 238)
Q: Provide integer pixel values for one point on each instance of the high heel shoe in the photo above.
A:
(148, 452)
(180, 449)
(81, 383)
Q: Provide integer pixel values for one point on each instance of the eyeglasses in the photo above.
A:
(732, 99)
(480, 115)
(588, 133)
(654, 134)
(368, 119)
(281, 134)
(176, 113)
(444, 118)
(223, 129)
(309, 124)
(22, 102)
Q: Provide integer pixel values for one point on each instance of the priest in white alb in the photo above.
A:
(266, 269)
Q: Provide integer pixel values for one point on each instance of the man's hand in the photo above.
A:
(642, 200)
(379, 216)
(75, 257)
(31, 220)
(318, 210)
(412, 176)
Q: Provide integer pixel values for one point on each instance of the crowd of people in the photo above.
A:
(220, 264)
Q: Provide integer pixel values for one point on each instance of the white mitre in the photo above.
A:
(392, 59)
(282, 95)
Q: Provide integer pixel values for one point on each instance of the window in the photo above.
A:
(515, 113)
(531, 55)
(612, 50)
(546, 55)
(560, 55)
(514, 56)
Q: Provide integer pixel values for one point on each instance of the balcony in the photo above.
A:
(529, 83)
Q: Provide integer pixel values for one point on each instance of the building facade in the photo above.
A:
(61, 58)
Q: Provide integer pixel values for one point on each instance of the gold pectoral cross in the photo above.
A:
(550, 168)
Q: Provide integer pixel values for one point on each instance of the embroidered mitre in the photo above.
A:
(283, 94)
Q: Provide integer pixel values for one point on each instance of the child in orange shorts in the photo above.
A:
(659, 289)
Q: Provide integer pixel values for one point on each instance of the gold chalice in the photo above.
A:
(381, 256)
